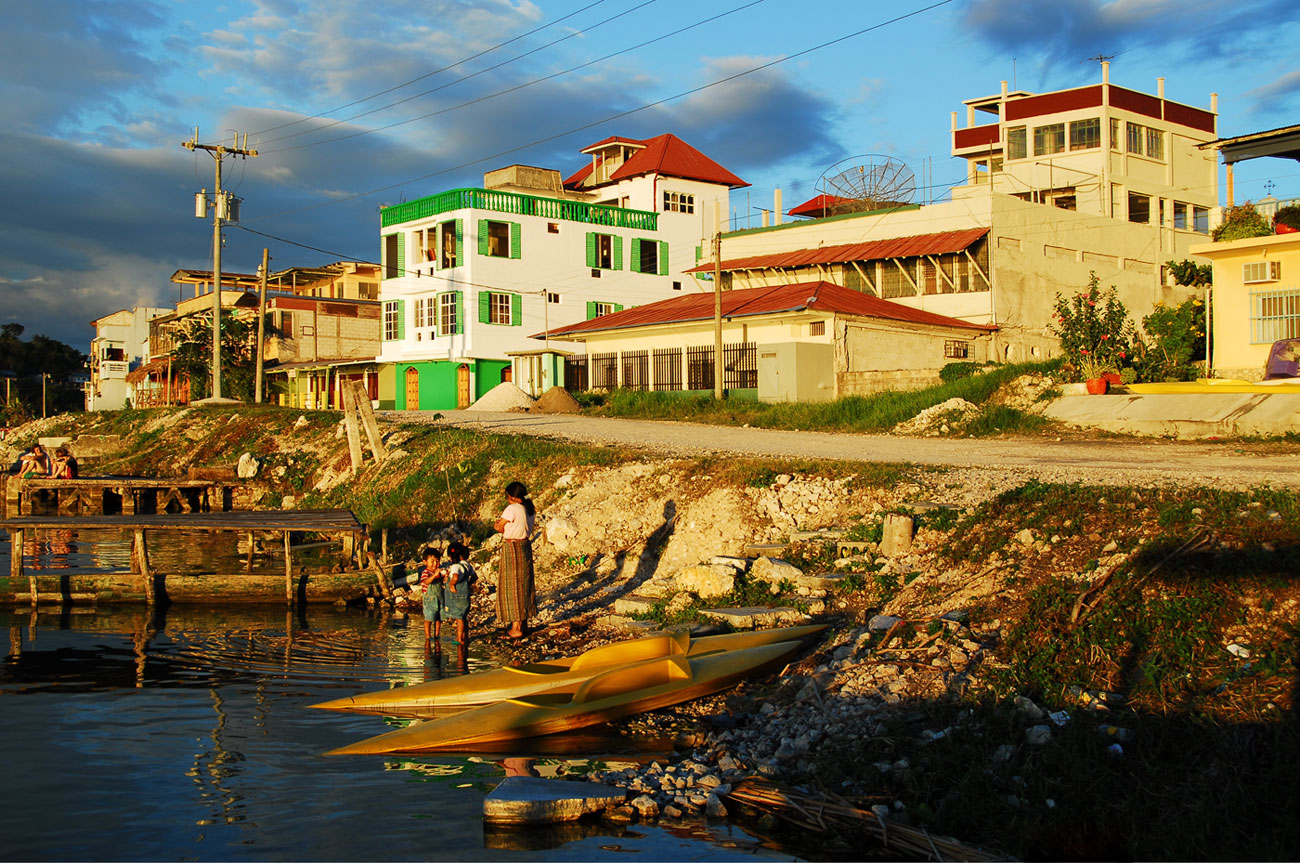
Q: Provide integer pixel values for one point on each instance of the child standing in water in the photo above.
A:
(456, 594)
(432, 577)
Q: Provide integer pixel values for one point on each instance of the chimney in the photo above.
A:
(1160, 87)
(776, 207)
(1105, 71)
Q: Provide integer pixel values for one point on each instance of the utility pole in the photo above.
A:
(221, 211)
(261, 324)
(717, 302)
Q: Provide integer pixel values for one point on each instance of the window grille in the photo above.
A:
(1274, 315)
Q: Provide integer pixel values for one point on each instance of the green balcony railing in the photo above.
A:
(518, 205)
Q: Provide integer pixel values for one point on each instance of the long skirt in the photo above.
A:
(516, 594)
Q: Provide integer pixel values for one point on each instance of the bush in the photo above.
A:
(957, 371)
(1242, 222)
(1289, 216)
(1175, 339)
(1094, 330)
(1191, 274)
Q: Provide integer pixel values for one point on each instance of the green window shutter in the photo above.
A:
(636, 255)
(401, 319)
(516, 310)
(460, 312)
(663, 258)
(515, 233)
(591, 307)
(484, 307)
(482, 236)
(460, 242)
(591, 256)
(401, 254)
(618, 307)
(618, 252)
(699, 252)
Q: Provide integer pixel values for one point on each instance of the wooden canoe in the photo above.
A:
(615, 693)
(473, 690)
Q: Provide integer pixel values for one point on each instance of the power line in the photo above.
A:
(631, 111)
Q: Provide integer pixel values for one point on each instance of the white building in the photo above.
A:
(1094, 179)
(120, 344)
(469, 274)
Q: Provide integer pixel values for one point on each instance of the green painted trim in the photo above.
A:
(516, 310)
(618, 252)
(788, 225)
(663, 257)
(483, 237)
(591, 250)
(484, 306)
(401, 319)
(519, 205)
(516, 235)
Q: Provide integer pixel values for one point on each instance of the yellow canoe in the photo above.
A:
(615, 693)
(472, 690)
(1217, 385)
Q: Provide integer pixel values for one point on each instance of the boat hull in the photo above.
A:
(619, 692)
(473, 690)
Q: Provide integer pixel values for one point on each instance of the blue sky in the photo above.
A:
(99, 95)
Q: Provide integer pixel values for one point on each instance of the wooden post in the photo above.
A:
(385, 583)
(16, 561)
(140, 563)
(350, 424)
(248, 567)
(366, 412)
(288, 571)
(383, 544)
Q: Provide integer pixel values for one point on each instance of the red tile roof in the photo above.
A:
(899, 247)
(667, 155)
(805, 296)
(822, 205)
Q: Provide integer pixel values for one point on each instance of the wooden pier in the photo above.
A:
(144, 583)
(128, 495)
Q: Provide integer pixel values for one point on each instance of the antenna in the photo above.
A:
(1100, 58)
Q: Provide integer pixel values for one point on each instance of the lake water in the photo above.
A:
(186, 736)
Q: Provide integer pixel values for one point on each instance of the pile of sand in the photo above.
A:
(557, 400)
(503, 397)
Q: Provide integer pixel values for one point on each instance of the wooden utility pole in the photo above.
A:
(717, 302)
(261, 326)
(220, 212)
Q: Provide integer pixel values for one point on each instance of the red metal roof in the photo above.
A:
(822, 205)
(664, 154)
(805, 296)
(899, 247)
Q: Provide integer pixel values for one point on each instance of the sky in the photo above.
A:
(353, 106)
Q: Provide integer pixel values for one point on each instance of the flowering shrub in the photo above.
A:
(1174, 341)
(1094, 330)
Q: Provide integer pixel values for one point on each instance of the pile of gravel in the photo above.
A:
(557, 400)
(503, 397)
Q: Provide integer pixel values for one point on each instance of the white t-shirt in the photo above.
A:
(518, 523)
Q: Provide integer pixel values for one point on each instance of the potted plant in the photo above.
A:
(1095, 372)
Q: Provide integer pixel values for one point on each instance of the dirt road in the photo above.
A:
(1108, 462)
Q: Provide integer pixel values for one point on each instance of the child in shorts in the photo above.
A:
(432, 577)
(456, 594)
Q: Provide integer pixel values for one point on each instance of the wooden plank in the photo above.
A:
(288, 571)
(350, 423)
(305, 520)
(140, 564)
(366, 411)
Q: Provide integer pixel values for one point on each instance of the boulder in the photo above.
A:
(248, 466)
(560, 531)
(774, 571)
(530, 800)
(706, 580)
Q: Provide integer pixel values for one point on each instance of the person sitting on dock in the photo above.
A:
(460, 584)
(64, 465)
(432, 576)
(35, 462)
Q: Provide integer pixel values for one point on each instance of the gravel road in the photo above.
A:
(1106, 461)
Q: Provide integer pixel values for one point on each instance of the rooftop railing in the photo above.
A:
(518, 205)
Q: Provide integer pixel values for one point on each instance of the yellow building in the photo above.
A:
(1255, 301)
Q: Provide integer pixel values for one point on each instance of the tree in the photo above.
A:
(1190, 273)
(1242, 222)
(192, 353)
(1094, 329)
(41, 368)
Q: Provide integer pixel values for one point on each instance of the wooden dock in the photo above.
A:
(144, 583)
(127, 495)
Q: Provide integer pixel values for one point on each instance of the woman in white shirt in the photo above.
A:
(516, 594)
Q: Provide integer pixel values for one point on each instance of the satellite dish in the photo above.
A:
(868, 182)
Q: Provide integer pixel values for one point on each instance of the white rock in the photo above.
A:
(560, 531)
(774, 571)
(1038, 735)
(706, 580)
(248, 466)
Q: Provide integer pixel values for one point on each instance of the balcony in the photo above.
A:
(518, 205)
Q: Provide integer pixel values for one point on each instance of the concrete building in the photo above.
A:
(1097, 179)
(469, 274)
(120, 345)
(812, 341)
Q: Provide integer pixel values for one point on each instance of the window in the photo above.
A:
(552, 298)
(424, 312)
(1274, 315)
(552, 227)
(677, 286)
(1200, 220)
(604, 251)
(1180, 215)
(1066, 202)
(498, 239)
(650, 257)
(449, 313)
(1114, 134)
(1085, 134)
(392, 320)
(1261, 271)
(817, 328)
(679, 202)
(1016, 142)
(392, 254)
(1049, 139)
(1139, 208)
(1135, 138)
(597, 309)
(1155, 143)
(285, 325)
(954, 349)
(450, 238)
(893, 281)
(499, 307)
(426, 242)
(368, 290)
(854, 279)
